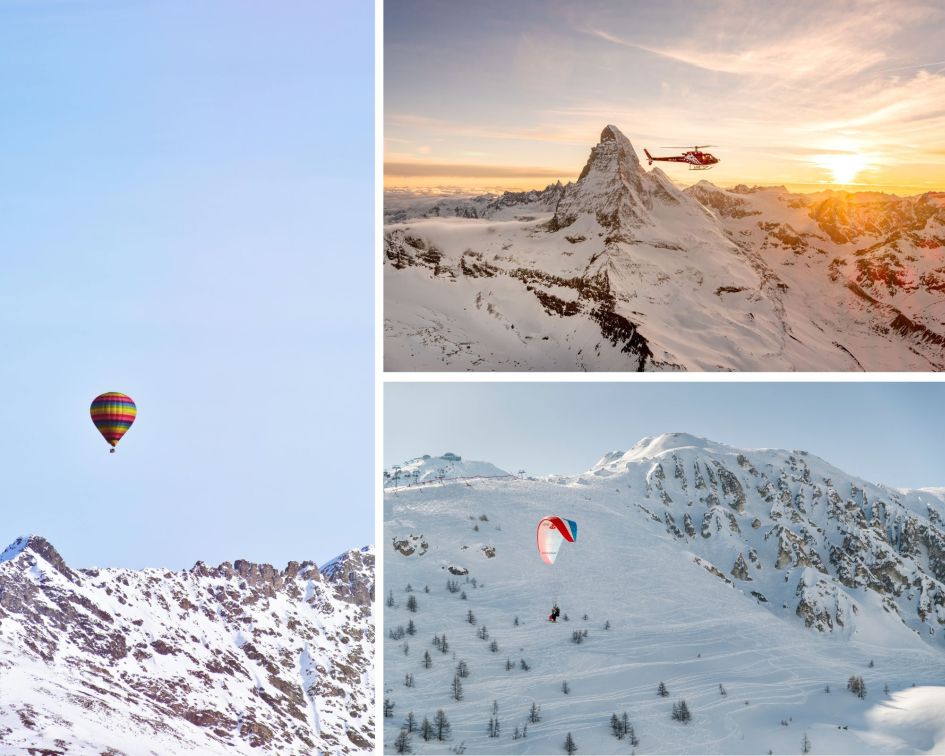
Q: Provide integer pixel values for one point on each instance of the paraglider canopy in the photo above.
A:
(113, 413)
(552, 532)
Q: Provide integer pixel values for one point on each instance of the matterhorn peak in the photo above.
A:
(614, 187)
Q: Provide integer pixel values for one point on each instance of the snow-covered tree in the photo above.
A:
(411, 603)
(457, 688)
(661, 690)
(805, 744)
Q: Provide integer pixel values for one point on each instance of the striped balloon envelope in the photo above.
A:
(113, 413)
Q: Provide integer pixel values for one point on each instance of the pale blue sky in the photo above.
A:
(187, 207)
(883, 432)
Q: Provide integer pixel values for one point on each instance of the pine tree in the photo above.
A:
(444, 646)
(441, 725)
(462, 669)
(402, 744)
(426, 729)
(515, 622)
(615, 727)
(410, 722)
(412, 603)
(390, 598)
(805, 744)
(570, 747)
(524, 665)
(411, 628)
(722, 690)
(681, 712)
(494, 646)
(470, 617)
(534, 714)
(508, 663)
(457, 688)
(661, 690)
(388, 707)
(565, 688)
(408, 680)
(427, 660)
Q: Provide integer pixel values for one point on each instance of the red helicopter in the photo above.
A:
(695, 158)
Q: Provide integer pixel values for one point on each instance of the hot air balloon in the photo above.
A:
(552, 532)
(113, 413)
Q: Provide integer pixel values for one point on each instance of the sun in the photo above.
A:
(843, 167)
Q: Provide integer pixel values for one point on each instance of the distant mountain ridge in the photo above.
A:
(238, 658)
(621, 270)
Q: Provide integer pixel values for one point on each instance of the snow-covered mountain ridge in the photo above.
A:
(621, 270)
(238, 658)
(769, 572)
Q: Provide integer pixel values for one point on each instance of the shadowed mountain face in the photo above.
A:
(622, 270)
(238, 658)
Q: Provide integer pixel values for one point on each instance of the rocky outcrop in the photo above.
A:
(241, 657)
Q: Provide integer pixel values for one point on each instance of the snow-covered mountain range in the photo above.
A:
(770, 573)
(622, 270)
(239, 658)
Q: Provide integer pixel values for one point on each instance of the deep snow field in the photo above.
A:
(670, 619)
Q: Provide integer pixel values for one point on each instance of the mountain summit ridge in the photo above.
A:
(237, 658)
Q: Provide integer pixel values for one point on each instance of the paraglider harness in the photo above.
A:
(555, 613)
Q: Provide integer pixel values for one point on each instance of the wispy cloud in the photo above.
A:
(469, 170)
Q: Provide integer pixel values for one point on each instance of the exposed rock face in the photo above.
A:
(238, 658)
(613, 186)
(800, 522)
(824, 281)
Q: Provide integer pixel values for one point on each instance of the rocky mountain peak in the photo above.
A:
(28, 549)
(614, 187)
(351, 576)
(241, 658)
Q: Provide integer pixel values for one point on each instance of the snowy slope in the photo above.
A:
(768, 572)
(621, 270)
(240, 658)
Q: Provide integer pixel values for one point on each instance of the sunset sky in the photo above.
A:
(495, 95)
